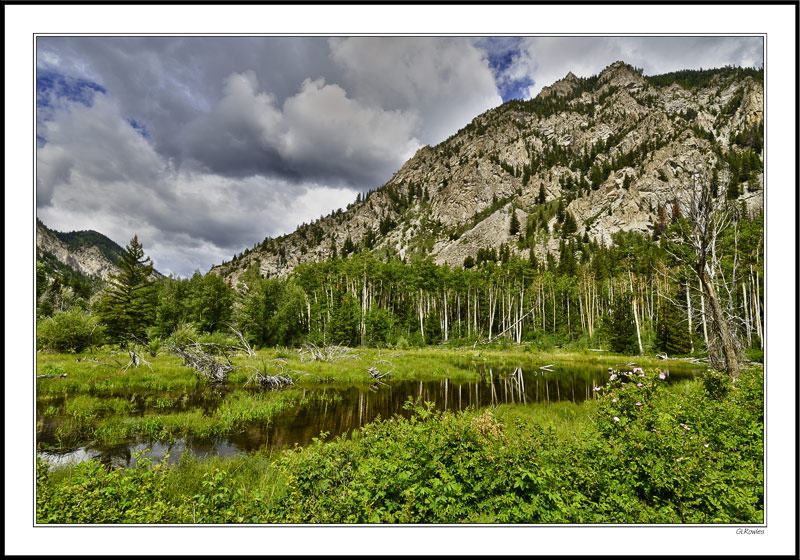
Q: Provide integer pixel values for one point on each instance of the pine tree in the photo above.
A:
(715, 183)
(348, 246)
(513, 228)
(127, 307)
(570, 226)
(672, 336)
(541, 198)
(622, 329)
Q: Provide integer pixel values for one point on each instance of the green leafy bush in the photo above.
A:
(70, 331)
(691, 457)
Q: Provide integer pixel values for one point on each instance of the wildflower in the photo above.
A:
(662, 375)
(612, 378)
(616, 419)
(640, 370)
(614, 399)
(638, 404)
(686, 428)
(597, 388)
(638, 384)
(706, 445)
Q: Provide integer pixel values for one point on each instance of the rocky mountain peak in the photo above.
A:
(621, 75)
(563, 87)
(613, 150)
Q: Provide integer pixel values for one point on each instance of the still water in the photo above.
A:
(345, 408)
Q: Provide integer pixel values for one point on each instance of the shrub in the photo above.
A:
(185, 333)
(70, 331)
(688, 458)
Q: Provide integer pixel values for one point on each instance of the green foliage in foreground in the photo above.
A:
(692, 453)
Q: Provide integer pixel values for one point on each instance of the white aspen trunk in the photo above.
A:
(475, 330)
(445, 315)
(421, 316)
(689, 308)
(492, 306)
(458, 307)
(469, 314)
(636, 316)
(364, 311)
(569, 326)
(521, 303)
(703, 315)
(747, 316)
(755, 298)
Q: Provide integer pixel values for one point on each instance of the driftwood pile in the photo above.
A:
(310, 352)
(205, 365)
(271, 382)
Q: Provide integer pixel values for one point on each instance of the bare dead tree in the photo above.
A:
(703, 221)
(245, 347)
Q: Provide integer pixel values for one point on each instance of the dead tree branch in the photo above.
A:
(310, 352)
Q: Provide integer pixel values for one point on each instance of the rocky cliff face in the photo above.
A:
(88, 259)
(615, 150)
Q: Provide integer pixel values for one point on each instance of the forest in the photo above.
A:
(583, 299)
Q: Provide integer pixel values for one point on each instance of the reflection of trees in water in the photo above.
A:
(341, 410)
(113, 457)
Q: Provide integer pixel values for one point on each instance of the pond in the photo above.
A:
(337, 409)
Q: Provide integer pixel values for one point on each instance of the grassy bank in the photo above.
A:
(643, 452)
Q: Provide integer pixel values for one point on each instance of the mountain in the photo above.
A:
(587, 157)
(88, 253)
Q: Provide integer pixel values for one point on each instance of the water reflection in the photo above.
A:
(337, 410)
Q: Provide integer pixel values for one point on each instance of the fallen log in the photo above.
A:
(53, 376)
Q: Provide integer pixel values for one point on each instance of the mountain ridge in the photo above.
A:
(614, 151)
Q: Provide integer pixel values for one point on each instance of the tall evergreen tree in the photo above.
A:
(541, 198)
(672, 336)
(513, 227)
(570, 226)
(622, 328)
(128, 305)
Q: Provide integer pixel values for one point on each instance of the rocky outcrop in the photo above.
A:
(88, 260)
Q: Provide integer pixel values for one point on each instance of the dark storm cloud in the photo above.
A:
(205, 145)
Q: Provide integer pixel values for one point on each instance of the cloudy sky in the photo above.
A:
(203, 146)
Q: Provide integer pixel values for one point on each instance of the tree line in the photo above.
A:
(639, 294)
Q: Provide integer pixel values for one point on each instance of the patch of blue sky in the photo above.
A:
(141, 129)
(500, 53)
(51, 85)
